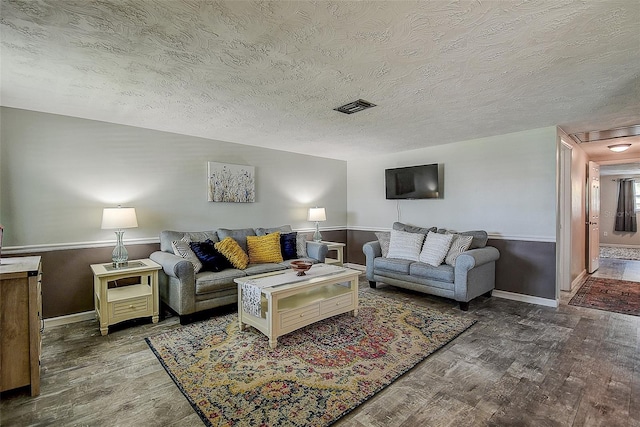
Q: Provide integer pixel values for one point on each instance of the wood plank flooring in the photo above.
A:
(520, 365)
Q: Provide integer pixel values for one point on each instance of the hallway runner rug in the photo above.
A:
(618, 296)
(315, 375)
(619, 252)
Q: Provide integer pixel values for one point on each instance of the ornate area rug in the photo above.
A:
(619, 296)
(316, 374)
(619, 253)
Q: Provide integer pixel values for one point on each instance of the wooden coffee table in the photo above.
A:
(289, 302)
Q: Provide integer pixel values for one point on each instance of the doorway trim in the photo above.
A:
(563, 226)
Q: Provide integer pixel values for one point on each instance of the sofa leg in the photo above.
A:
(488, 294)
(185, 319)
(464, 306)
(372, 284)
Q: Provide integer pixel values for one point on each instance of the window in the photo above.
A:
(636, 187)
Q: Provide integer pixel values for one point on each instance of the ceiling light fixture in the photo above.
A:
(618, 148)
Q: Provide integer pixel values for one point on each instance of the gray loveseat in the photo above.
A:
(187, 292)
(472, 275)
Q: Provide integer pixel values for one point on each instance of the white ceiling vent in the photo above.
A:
(355, 106)
(602, 135)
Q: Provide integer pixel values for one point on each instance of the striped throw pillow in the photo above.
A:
(435, 249)
(403, 245)
(264, 249)
(459, 244)
(183, 249)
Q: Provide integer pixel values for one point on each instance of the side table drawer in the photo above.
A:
(131, 307)
(292, 319)
(339, 303)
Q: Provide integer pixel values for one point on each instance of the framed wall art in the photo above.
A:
(231, 183)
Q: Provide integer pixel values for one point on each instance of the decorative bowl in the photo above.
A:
(300, 267)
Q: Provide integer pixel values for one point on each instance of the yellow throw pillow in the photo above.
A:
(233, 252)
(264, 249)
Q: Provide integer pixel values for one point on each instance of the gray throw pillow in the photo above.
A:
(183, 249)
(459, 244)
(301, 245)
(384, 238)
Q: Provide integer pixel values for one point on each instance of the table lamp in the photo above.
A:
(119, 218)
(317, 214)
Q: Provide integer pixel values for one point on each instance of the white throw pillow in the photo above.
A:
(436, 246)
(301, 245)
(183, 249)
(459, 244)
(403, 245)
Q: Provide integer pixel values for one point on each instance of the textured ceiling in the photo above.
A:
(270, 73)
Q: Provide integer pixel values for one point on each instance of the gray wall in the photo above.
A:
(504, 184)
(57, 173)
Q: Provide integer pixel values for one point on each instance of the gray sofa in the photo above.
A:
(187, 292)
(472, 275)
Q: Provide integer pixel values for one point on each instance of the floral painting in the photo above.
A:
(231, 183)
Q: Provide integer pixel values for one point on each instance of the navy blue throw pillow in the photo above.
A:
(288, 245)
(209, 256)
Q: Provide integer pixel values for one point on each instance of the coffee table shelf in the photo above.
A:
(287, 306)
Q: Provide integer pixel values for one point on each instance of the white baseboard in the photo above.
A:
(618, 245)
(70, 318)
(578, 279)
(525, 298)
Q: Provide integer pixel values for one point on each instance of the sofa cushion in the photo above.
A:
(480, 237)
(239, 235)
(183, 249)
(405, 245)
(384, 239)
(209, 256)
(209, 281)
(459, 244)
(288, 245)
(168, 236)
(443, 272)
(282, 229)
(253, 269)
(394, 265)
(435, 249)
(264, 249)
(233, 252)
(412, 229)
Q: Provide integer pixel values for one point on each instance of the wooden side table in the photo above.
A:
(20, 323)
(125, 293)
(338, 247)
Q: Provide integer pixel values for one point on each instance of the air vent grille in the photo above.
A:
(355, 106)
(602, 135)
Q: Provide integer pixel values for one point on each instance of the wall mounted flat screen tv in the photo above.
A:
(415, 182)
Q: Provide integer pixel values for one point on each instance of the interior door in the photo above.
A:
(593, 218)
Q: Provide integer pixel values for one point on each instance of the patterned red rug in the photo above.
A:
(618, 296)
(316, 374)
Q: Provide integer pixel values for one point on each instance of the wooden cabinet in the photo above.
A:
(20, 323)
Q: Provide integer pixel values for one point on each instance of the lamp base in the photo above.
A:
(317, 237)
(120, 256)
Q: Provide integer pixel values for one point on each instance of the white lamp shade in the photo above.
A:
(317, 214)
(119, 218)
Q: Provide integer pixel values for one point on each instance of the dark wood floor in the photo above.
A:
(520, 365)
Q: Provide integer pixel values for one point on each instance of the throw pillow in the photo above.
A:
(211, 259)
(384, 239)
(288, 245)
(182, 249)
(459, 244)
(301, 245)
(233, 252)
(435, 249)
(404, 245)
(264, 249)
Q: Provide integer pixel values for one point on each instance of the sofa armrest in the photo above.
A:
(475, 273)
(317, 250)
(175, 266)
(371, 251)
(476, 257)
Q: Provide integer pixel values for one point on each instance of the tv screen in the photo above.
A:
(414, 182)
